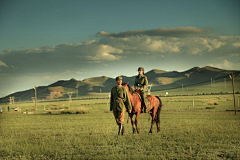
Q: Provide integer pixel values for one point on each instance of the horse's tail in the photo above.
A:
(158, 114)
(160, 105)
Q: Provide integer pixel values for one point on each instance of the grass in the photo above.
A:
(206, 88)
(187, 132)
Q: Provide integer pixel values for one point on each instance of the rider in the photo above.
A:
(141, 83)
(119, 102)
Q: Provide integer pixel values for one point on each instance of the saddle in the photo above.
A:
(139, 94)
(142, 102)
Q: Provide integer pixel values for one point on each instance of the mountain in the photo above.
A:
(161, 80)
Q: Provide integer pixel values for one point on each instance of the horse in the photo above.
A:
(154, 107)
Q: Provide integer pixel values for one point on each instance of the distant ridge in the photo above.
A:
(161, 80)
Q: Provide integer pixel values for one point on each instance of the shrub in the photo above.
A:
(212, 102)
(219, 98)
(53, 108)
(79, 110)
(210, 107)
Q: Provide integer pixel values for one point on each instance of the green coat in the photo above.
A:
(143, 81)
(118, 93)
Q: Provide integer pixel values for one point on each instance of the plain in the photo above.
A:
(192, 127)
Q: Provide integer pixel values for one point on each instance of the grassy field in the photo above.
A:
(203, 131)
(206, 88)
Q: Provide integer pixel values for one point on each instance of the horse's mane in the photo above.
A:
(130, 88)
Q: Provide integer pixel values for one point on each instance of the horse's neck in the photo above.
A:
(132, 96)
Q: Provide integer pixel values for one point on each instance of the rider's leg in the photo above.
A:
(144, 100)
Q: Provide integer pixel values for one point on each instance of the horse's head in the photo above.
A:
(125, 85)
(128, 87)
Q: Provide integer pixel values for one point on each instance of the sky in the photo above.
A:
(44, 41)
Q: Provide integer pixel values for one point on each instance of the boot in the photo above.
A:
(147, 105)
(123, 130)
(143, 108)
(119, 129)
(146, 109)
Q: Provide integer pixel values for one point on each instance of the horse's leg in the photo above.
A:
(158, 120)
(132, 121)
(153, 114)
(136, 122)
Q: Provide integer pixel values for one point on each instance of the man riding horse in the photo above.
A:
(123, 97)
(141, 84)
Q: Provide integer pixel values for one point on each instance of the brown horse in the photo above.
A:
(154, 108)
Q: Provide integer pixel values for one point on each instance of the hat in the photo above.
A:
(141, 68)
(118, 78)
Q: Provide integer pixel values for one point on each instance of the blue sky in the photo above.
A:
(45, 41)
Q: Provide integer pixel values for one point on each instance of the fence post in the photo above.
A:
(234, 94)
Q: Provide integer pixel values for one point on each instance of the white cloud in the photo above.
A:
(90, 50)
(166, 32)
(106, 65)
(159, 44)
(79, 72)
(3, 64)
(226, 64)
(237, 44)
(104, 53)
(51, 78)
(211, 44)
(42, 49)
(201, 45)
(234, 55)
(115, 48)
(143, 44)
(95, 53)
(66, 72)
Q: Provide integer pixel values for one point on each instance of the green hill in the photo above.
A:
(159, 79)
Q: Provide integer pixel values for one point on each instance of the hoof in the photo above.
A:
(138, 130)
(134, 130)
